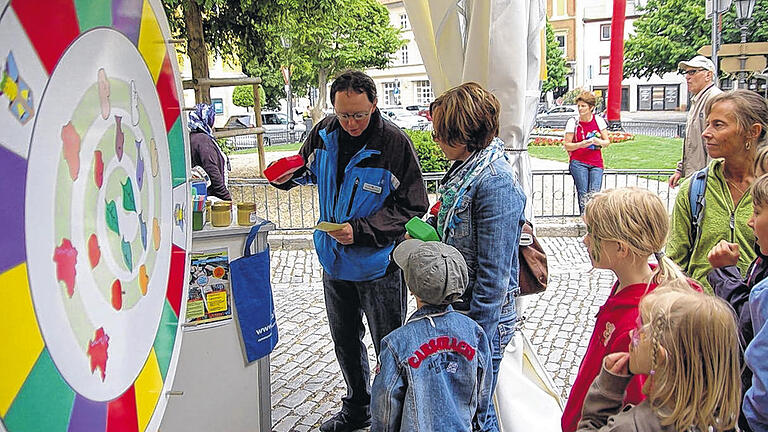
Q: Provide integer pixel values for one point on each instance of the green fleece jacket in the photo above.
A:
(721, 221)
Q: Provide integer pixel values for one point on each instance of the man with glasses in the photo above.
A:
(369, 182)
(699, 75)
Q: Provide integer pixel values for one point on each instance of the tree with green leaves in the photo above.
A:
(316, 39)
(242, 96)
(556, 68)
(351, 34)
(673, 30)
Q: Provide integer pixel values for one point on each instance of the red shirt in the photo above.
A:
(583, 131)
(614, 321)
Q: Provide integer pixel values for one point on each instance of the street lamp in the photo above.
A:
(744, 10)
(285, 41)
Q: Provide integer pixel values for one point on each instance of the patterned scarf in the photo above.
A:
(454, 188)
(201, 119)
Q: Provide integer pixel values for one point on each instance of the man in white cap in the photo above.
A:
(699, 75)
(435, 371)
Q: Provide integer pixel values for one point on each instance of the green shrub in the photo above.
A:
(570, 97)
(430, 155)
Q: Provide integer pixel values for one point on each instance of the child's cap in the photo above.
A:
(434, 272)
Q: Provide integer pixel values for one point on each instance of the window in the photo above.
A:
(605, 65)
(561, 42)
(605, 32)
(404, 55)
(424, 93)
(392, 93)
(404, 22)
(658, 97)
(559, 8)
(270, 119)
(218, 105)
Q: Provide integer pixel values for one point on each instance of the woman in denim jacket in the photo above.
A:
(481, 211)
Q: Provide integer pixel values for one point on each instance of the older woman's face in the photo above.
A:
(722, 135)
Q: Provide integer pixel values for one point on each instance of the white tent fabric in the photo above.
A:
(497, 44)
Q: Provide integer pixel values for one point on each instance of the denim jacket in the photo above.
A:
(435, 375)
(488, 237)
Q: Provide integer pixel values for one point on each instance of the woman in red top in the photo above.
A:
(624, 228)
(584, 141)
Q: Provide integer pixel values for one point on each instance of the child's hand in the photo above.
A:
(617, 363)
(723, 254)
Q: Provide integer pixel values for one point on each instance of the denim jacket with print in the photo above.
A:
(488, 236)
(435, 375)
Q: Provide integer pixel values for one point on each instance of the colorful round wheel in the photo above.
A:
(95, 215)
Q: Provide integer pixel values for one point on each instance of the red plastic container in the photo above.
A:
(283, 166)
(435, 209)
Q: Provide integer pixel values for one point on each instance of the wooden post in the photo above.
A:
(259, 137)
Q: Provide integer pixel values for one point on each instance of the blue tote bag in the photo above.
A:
(253, 299)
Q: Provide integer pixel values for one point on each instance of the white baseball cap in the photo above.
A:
(698, 62)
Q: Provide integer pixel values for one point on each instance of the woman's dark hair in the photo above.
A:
(468, 115)
(355, 81)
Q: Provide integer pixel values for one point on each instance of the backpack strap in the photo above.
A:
(697, 200)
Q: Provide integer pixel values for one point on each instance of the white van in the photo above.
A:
(277, 129)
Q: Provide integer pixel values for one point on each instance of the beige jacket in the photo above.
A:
(603, 408)
(694, 149)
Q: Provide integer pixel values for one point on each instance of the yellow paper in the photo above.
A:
(195, 309)
(217, 301)
(328, 226)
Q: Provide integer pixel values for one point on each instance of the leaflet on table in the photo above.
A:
(209, 297)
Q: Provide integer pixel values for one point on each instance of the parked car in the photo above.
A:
(404, 119)
(277, 129)
(557, 116)
(422, 110)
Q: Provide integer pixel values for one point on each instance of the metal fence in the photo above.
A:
(270, 138)
(636, 127)
(553, 195)
(655, 128)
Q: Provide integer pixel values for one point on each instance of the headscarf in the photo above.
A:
(201, 119)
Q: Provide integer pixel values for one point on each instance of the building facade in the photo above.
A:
(583, 31)
(405, 81)
(657, 93)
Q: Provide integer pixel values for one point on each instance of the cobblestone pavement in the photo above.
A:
(306, 382)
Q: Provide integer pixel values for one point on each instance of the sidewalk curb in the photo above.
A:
(299, 240)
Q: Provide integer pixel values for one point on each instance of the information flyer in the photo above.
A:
(209, 296)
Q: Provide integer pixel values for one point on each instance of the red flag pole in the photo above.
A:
(616, 71)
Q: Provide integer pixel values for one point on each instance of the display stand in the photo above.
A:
(214, 388)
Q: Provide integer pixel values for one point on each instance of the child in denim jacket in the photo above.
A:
(436, 369)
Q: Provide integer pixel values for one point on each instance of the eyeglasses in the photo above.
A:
(691, 72)
(357, 116)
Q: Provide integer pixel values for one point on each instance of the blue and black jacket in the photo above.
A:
(382, 188)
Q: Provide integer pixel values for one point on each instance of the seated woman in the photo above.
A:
(585, 139)
(205, 152)
(481, 211)
(736, 127)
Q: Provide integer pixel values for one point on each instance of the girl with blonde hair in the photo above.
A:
(687, 344)
(625, 227)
